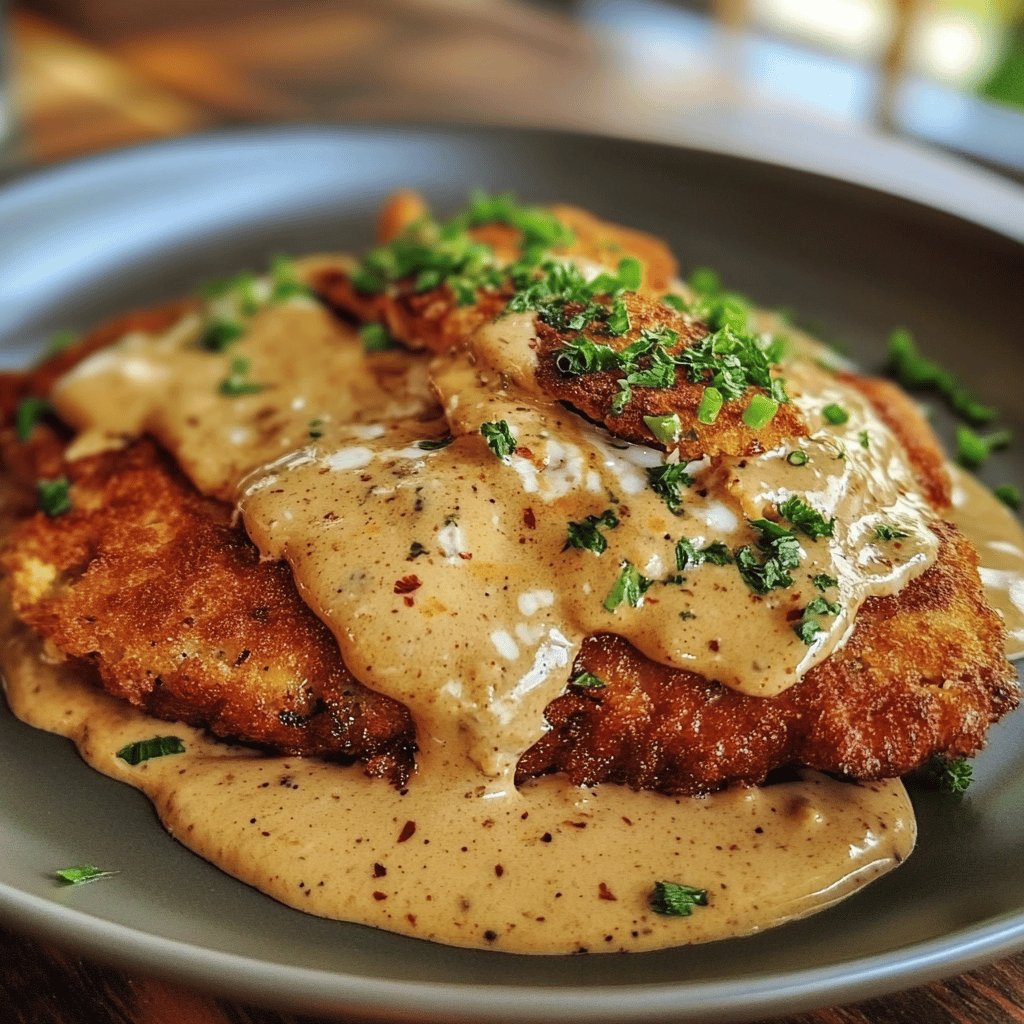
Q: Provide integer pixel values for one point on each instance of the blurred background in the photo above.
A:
(86, 75)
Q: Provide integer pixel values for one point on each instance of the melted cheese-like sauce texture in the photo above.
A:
(443, 574)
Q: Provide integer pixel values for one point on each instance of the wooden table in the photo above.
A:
(76, 96)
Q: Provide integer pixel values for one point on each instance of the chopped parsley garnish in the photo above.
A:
(731, 362)
(885, 531)
(797, 458)
(54, 496)
(237, 382)
(435, 445)
(674, 899)
(586, 535)
(1009, 495)
(580, 356)
(284, 283)
(618, 319)
(688, 556)
(539, 227)
(835, 414)
(810, 626)
(499, 438)
(29, 412)
(376, 338)
(587, 681)
(913, 370)
(667, 482)
(144, 750)
(865, 439)
(630, 588)
(823, 581)
(220, 334)
(952, 774)
(972, 449)
(808, 520)
(711, 402)
(81, 873)
(780, 552)
(675, 302)
(665, 428)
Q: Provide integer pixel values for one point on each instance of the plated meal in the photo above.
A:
(500, 588)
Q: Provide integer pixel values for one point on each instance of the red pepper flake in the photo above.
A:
(411, 918)
(407, 831)
(407, 584)
(529, 519)
(604, 893)
(490, 936)
(379, 871)
(523, 452)
(378, 895)
(499, 870)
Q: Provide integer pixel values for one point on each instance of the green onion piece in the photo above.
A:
(760, 412)
(973, 449)
(797, 458)
(81, 873)
(710, 405)
(499, 438)
(674, 899)
(237, 382)
(54, 496)
(587, 681)
(157, 746)
(835, 414)
(29, 412)
(1008, 494)
(376, 338)
(665, 428)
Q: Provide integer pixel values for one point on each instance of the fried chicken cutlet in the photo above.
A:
(880, 706)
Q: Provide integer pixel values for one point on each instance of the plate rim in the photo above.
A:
(317, 990)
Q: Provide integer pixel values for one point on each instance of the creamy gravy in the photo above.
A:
(550, 869)
(477, 631)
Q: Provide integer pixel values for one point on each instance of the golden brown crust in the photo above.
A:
(922, 673)
(151, 584)
(593, 393)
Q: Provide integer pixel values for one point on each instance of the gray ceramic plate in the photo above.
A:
(92, 238)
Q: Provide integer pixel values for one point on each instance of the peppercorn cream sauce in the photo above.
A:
(443, 573)
(548, 869)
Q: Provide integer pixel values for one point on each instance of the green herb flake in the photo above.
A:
(885, 531)
(376, 338)
(824, 582)
(809, 627)
(499, 438)
(220, 334)
(284, 282)
(237, 382)
(835, 414)
(807, 519)
(618, 319)
(797, 458)
(629, 587)
(586, 535)
(667, 482)
(316, 429)
(973, 449)
(81, 873)
(953, 775)
(28, 414)
(1009, 495)
(711, 402)
(61, 342)
(760, 411)
(675, 302)
(587, 681)
(54, 496)
(144, 750)
(665, 428)
(673, 899)
(865, 439)
(780, 551)
(435, 445)
(689, 556)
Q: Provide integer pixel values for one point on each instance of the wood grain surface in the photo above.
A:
(82, 84)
